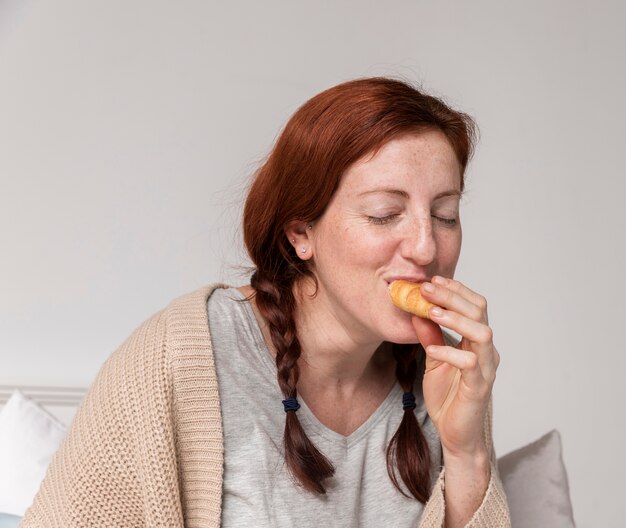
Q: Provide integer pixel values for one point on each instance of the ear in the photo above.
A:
(299, 235)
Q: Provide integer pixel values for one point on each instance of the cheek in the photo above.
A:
(448, 250)
(341, 240)
(368, 249)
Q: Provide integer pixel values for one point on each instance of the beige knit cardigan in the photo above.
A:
(146, 446)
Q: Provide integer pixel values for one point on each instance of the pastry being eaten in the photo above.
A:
(406, 296)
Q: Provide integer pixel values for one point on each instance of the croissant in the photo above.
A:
(406, 296)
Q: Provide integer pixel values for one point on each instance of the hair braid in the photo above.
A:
(408, 452)
(276, 303)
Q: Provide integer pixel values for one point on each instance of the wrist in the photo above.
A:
(477, 451)
(466, 482)
(476, 462)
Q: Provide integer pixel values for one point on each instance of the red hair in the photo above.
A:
(322, 139)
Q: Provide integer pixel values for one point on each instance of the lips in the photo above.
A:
(410, 278)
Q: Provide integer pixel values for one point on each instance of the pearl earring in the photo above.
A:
(303, 250)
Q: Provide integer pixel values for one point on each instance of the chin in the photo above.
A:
(403, 334)
(408, 341)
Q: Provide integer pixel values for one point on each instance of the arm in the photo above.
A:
(492, 510)
(466, 482)
(457, 387)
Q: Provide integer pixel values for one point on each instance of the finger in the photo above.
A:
(445, 297)
(479, 335)
(460, 288)
(475, 331)
(466, 362)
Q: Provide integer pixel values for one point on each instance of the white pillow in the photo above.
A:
(29, 437)
(536, 486)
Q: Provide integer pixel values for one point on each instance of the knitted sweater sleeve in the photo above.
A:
(494, 510)
(116, 465)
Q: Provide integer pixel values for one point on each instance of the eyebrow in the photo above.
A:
(404, 194)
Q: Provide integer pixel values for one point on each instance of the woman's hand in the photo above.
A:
(458, 381)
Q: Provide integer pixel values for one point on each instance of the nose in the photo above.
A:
(419, 244)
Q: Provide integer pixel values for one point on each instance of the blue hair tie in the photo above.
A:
(408, 400)
(291, 404)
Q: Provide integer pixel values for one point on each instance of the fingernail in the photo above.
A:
(437, 312)
(439, 280)
(428, 287)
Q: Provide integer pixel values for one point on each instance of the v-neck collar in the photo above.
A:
(312, 422)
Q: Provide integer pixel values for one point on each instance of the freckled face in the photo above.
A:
(394, 215)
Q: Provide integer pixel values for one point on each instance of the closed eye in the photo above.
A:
(381, 220)
(446, 221)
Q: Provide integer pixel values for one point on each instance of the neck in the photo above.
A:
(333, 358)
(332, 361)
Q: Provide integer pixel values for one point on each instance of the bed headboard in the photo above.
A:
(61, 402)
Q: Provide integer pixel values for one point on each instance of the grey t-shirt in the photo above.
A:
(258, 490)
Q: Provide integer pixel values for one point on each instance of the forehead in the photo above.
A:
(424, 160)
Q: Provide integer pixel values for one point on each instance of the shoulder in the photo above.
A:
(167, 362)
(156, 350)
(185, 317)
(191, 305)
(163, 375)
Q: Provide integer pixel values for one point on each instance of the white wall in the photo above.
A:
(128, 131)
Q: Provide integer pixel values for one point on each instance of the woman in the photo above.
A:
(382, 423)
